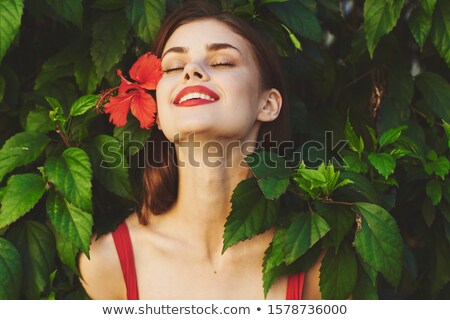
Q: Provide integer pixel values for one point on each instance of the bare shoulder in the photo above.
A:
(311, 285)
(101, 273)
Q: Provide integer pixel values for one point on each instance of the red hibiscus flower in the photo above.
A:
(146, 73)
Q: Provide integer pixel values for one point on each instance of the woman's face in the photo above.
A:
(211, 85)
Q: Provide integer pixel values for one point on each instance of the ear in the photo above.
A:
(270, 106)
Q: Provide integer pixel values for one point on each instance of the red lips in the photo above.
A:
(194, 102)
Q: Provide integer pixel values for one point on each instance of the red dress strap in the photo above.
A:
(295, 286)
(124, 249)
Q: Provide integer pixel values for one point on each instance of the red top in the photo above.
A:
(124, 249)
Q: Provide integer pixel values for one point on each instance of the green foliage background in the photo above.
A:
(373, 72)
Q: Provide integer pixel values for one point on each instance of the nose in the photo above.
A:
(194, 71)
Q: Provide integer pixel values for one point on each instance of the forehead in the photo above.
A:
(206, 31)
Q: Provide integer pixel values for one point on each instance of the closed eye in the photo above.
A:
(173, 69)
(222, 64)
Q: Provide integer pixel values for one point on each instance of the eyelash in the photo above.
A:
(213, 65)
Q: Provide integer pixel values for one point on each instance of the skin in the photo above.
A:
(179, 252)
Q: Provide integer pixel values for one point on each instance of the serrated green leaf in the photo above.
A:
(379, 242)
(22, 193)
(10, 271)
(85, 75)
(109, 41)
(36, 246)
(383, 162)
(436, 91)
(251, 213)
(338, 274)
(21, 149)
(72, 175)
(145, 16)
(71, 222)
(51, 75)
(273, 259)
(131, 136)
(440, 32)
(380, 17)
(420, 25)
(354, 163)
(434, 191)
(297, 17)
(316, 178)
(428, 6)
(55, 105)
(38, 120)
(109, 165)
(71, 11)
(350, 134)
(361, 185)
(364, 288)
(67, 252)
(10, 17)
(271, 172)
(440, 167)
(306, 229)
(83, 104)
(339, 218)
(391, 135)
(373, 137)
(399, 152)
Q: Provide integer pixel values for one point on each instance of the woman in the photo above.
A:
(221, 86)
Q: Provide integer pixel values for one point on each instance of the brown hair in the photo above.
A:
(160, 177)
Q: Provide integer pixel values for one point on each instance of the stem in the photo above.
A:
(338, 202)
(62, 135)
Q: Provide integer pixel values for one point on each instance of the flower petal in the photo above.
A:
(147, 71)
(118, 107)
(143, 107)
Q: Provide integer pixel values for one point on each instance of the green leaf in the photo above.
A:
(51, 75)
(21, 149)
(10, 17)
(273, 259)
(71, 11)
(22, 193)
(316, 178)
(434, 191)
(364, 288)
(251, 213)
(2, 87)
(85, 75)
(338, 274)
(109, 41)
(109, 165)
(297, 17)
(428, 6)
(373, 137)
(131, 136)
(440, 167)
(353, 141)
(420, 25)
(440, 32)
(36, 246)
(306, 229)
(354, 163)
(379, 242)
(380, 17)
(447, 131)
(145, 16)
(391, 136)
(71, 222)
(38, 120)
(399, 152)
(436, 91)
(72, 175)
(340, 219)
(271, 172)
(383, 162)
(361, 185)
(10, 271)
(440, 272)
(83, 104)
(67, 252)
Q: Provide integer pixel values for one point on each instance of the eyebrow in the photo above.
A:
(209, 47)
